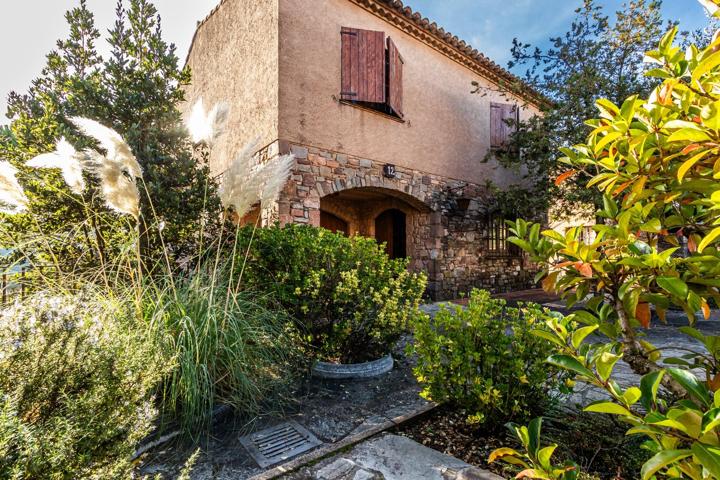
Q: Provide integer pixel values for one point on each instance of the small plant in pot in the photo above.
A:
(349, 300)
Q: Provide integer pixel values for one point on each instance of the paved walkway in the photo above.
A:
(392, 457)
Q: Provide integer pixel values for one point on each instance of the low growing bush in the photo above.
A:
(76, 385)
(350, 300)
(485, 360)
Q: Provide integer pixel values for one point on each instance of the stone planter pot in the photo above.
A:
(347, 371)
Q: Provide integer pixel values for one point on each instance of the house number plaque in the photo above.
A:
(389, 170)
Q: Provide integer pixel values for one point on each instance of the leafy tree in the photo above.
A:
(596, 58)
(136, 91)
(655, 162)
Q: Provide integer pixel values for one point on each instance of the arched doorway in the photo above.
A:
(391, 229)
(333, 223)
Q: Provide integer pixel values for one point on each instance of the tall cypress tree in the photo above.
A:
(136, 91)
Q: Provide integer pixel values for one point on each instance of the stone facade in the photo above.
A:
(284, 88)
(446, 218)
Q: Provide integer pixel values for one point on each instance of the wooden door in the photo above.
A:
(390, 229)
(333, 223)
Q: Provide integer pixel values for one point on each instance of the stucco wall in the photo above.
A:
(234, 58)
(447, 130)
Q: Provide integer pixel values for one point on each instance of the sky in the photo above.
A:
(30, 28)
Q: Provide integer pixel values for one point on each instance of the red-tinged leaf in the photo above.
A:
(642, 313)
(585, 269)
(564, 264)
(697, 120)
(714, 383)
(692, 245)
(690, 148)
(621, 187)
(706, 310)
(564, 176)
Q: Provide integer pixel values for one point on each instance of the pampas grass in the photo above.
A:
(118, 152)
(119, 191)
(247, 182)
(67, 159)
(12, 195)
(207, 127)
(116, 170)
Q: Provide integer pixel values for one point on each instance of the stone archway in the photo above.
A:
(409, 227)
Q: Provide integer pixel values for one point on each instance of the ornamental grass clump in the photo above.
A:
(77, 379)
(235, 353)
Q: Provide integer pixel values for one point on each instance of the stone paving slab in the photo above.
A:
(392, 457)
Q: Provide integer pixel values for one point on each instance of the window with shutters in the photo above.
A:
(504, 119)
(372, 71)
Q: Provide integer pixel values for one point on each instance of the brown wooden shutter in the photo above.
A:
(363, 65)
(395, 78)
(500, 130)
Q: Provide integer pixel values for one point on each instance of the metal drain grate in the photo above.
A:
(279, 443)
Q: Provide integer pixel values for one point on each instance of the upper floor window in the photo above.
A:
(504, 119)
(372, 71)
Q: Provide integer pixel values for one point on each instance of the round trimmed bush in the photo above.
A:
(350, 301)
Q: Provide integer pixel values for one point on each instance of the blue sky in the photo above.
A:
(491, 25)
(29, 28)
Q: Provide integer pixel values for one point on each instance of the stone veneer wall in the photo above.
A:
(444, 240)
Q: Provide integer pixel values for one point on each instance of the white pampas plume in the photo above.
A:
(118, 151)
(118, 187)
(12, 196)
(240, 186)
(67, 159)
(207, 127)
(246, 182)
(276, 173)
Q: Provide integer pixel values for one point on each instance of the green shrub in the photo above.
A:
(347, 296)
(76, 380)
(228, 348)
(485, 360)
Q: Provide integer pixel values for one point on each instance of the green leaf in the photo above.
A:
(581, 334)
(662, 460)
(548, 336)
(649, 385)
(709, 457)
(632, 395)
(534, 428)
(705, 66)
(674, 286)
(691, 384)
(688, 164)
(709, 238)
(608, 407)
(689, 135)
(710, 420)
(605, 364)
(569, 363)
(544, 456)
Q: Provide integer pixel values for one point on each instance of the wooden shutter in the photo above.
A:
(363, 65)
(500, 130)
(395, 79)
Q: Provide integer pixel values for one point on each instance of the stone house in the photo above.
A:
(375, 102)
